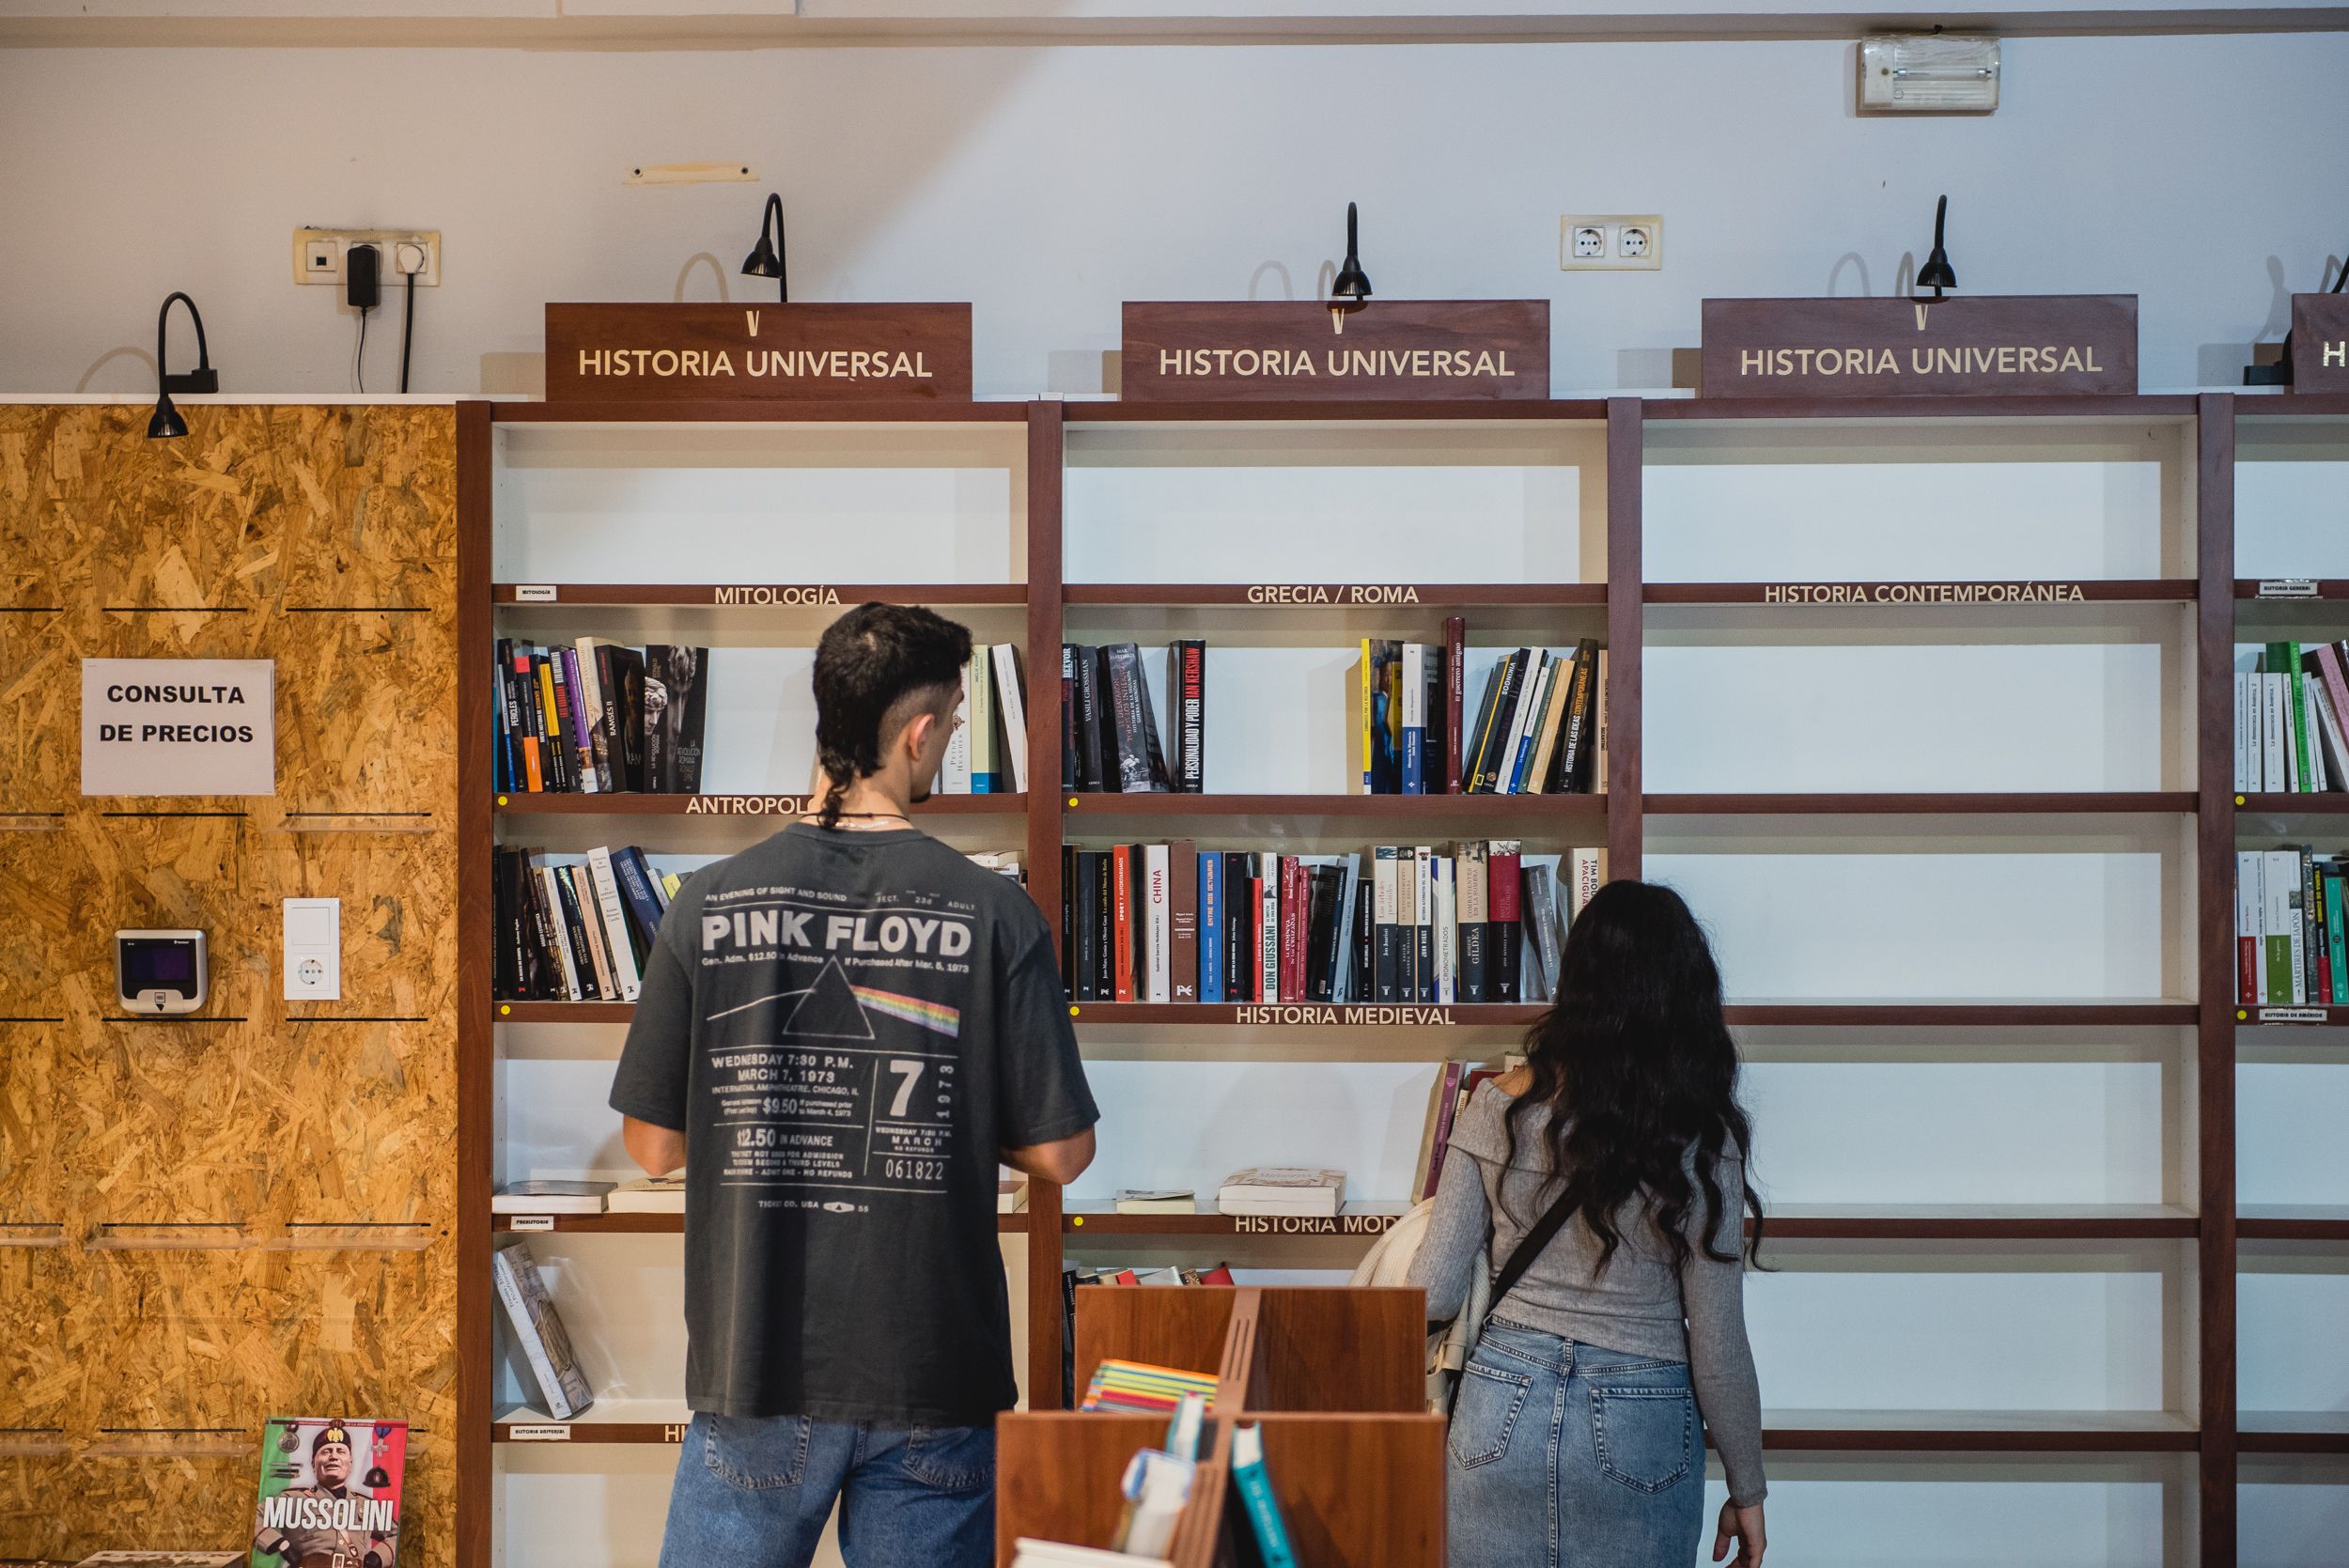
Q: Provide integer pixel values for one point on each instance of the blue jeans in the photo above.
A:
(1566, 1455)
(756, 1494)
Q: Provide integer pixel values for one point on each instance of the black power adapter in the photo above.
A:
(361, 277)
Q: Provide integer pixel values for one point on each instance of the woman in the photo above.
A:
(1575, 1440)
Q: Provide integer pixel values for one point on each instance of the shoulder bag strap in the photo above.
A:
(1530, 1247)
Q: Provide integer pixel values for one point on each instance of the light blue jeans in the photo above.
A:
(756, 1494)
(1566, 1455)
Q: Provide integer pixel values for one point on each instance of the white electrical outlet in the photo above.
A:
(1610, 242)
(314, 949)
(318, 253)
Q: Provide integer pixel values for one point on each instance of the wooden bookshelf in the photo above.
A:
(2199, 591)
(654, 1224)
(780, 808)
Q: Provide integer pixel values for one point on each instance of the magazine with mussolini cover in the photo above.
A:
(329, 1493)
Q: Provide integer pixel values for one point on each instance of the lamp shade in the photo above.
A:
(1351, 283)
(766, 257)
(166, 423)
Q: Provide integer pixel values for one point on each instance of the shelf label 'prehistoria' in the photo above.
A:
(722, 353)
(1974, 345)
(1282, 351)
(2319, 343)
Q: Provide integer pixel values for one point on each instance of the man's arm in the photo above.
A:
(660, 1150)
(1062, 1160)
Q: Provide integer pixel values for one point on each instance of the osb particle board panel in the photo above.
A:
(324, 538)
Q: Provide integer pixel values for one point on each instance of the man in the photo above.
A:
(841, 1032)
(329, 1545)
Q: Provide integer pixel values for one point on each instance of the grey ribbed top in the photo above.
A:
(1640, 1304)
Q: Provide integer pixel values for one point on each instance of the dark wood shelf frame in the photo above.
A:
(623, 803)
(2212, 595)
(2138, 590)
(1454, 596)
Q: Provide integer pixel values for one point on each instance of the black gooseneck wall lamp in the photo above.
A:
(1350, 289)
(766, 257)
(1937, 273)
(166, 422)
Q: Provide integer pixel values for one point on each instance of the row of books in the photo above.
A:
(595, 717)
(988, 754)
(1171, 923)
(575, 931)
(1536, 728)
(2290, 708)
(2292, 928)
(1110, 727)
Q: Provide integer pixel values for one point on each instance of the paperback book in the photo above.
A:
(329, 1492)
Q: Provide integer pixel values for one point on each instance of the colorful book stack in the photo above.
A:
(1171, 922)
(2292, 930)
(1109, 728)
(578, 930)
(595, 718)
(1138, 1386)
(1534, 729)
(2291, 703)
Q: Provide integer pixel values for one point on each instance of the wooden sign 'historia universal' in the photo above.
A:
(2319, 343)
(727, 353)
(1961, 347)
(1268, 350)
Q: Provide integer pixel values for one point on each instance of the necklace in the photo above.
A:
(876, 816)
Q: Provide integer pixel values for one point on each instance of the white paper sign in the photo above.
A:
(178, 726)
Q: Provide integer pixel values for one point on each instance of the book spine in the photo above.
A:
(2248, 914)
(579, 889)
(569, 955)
(1067, 717)
(1479, 733)
(1269, 974)
(985, 766)
(1122, 891)
(1160, 946)
(1468, 866)
(1240, 947)
(1105, 938)
(2305, 686)
(1210, 945)
(1011, 702)
(615, 915)
(1454, 697)
(550, 727)
(1182, 908)
(1360, 979)
(1080, 941)
(1414, 719)
(2311, 966)
(2336, 937)
(1124, 732)
(2242, 735)
(1505, 926)
(1254, 1486)
(1386, 930)
(1491, 773)
(954, 769)
(1589, 867)
(1447, 1105)
(1294, 912)
(1557, 697)
(1423, 922)
(1190, 662)
(1529, 710)
(1445, 923)
(1366, 694)
(588, 692)
(2272, 730)
(1541, 912)
(1579, 726)
(2281, 886)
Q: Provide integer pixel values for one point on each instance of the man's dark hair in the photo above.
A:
(878, 668)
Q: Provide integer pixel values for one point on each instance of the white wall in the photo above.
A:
(1048, 184)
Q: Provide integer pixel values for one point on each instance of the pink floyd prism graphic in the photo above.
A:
(832, 1039)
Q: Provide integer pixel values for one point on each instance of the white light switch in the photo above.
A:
(314, 949)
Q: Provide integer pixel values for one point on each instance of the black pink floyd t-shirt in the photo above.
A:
(847, 1027)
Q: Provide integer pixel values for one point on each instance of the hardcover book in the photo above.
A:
(1186, 677)
(329, 1492)
(542, 1346)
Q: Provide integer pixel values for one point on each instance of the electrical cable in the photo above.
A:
(406, 329)
(359, 355)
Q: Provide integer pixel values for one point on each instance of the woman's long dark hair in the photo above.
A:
(1637, 1067)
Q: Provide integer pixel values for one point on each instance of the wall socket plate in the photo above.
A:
(314, 949)
(318, 254)
(1610, 242)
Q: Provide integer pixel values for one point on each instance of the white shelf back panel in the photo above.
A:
(1859, 1133)
(561, 1505)
(2291, 1524)
(1949, 502)
(2292, 499)
(1839, 1338)
(1323, 504)
(764, 504)
(1909, 717)
(1919, 926)
(2289, 1117)
(1960, 1518)
(2290, 1352)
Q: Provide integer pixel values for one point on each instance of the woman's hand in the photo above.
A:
(1745, 1525)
